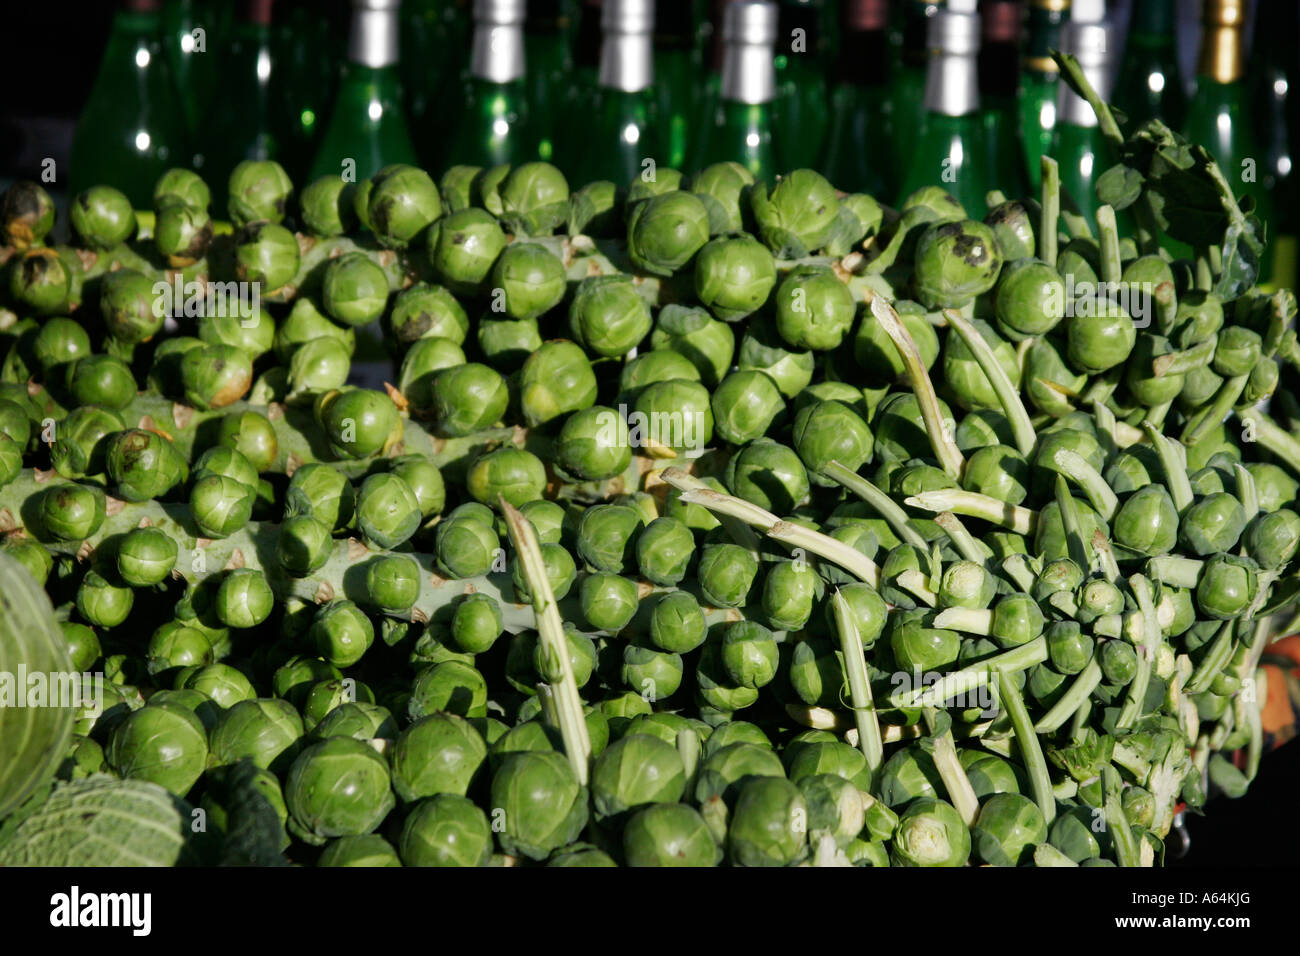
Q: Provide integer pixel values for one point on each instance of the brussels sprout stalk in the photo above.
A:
(1089, 479)
(1272, 437)
(972, 504)
(554, 643)
(1137, 690)
(855, 674)
(1031, 752)
(944, 753)
(884, 506)
(969, 679)
(961, 539)
(1022, 429)
(1051, 210)
(1074, 700)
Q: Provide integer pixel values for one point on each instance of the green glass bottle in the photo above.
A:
(999, 74)
(801, 118)
(1219, 114)
(308, 79)
(549, 54)
(1150, 82)
(1274, 73)
(1038, 83)
(496, 122)
(622, 128)
(952, 150)
(907, 93)
(435, 36)
(1078, 145)
(249, 124)
(677, 63)
(132, 128)
(740, 129)
(367, 129)
(586, 49)
(188, 27)
(709, 91)
(860, 107)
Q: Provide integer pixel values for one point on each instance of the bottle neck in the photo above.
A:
(952, 76)
(1155, 20)
(1221, 53)
(864, 58)
(627, 61)
(1043, 35)
(373, 41)
(748, 73)
(498, 52)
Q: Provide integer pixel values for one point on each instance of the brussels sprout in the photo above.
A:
(540, 804)
(1227, 586)
(267, 254)
(265, 731)
(955, 262)
(534, 199)
(867, 608)
(337, 787)
(607, 535)
(31, 555)
(721, 187)
(101, 602)
(244, 599)
(184, 185)
(930, 833)
(58, 342)
(323, 364)
(225, 685)
(1213, 524)
(468, 398)
(304, 544)
(173, 645)
(368, 849)
(446, 830)
(463, 247)
(508, 472)
(359, 422)
(652, 368)
(388, 512)
(677, 623)
(129, 306)
(259, 192)
(733, 277)
(326, 206)
(441, 753)
(528, 280)
(424, 311)
(358, 719)
(798, 216)
(1013, 227)
(82, 643)
(220, 506)
(635, 771)
(70, 512)
(341, 633)
(875, 351)
(663, 551)
(669, 834)
(835, 808)
(477, 623)
(814, 309)
(608, 316)
(769, 824)
(1030, 299)
(761, 350)
(748, 654)
(321, 492)
(593, 444)
(560, 572)
(466, 547)
(692, 333)
(768, 474)
(828, 757)
(451, 687)
(908, 774)
(988, 773)
(182, 233)
(161, 743)
(726, 574)
(666, 231)
(609, 601)
(214, 376)
(654, 674)
(745, 406)
(354, 289)
(402, 202)
(555, 380)
(1007, 829)
(26, 214)
(1096, 343)
(392, 582)
(1273, 538)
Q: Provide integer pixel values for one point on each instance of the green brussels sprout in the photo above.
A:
(324, 697)
(83, 645)
(817, 757)
(341, 633)
(998, 472)
(790, 592)
(220, 506)
(401, 204)
(477, 623)
(368, 849)
(11, 460)
(358, 719)
(358, 422)
(267, 254)
(1227, 586)
(917, 647)
(508, 472)
(173, 645)
(955, 262)
(102, 217)
(161, 743)
(705, 342)
(507, 343)
(423, 360)
(1068, 647)
(651, 368)
(463, 247)
(1147, 522)
(560, 572)
(244, 599)
(259, 192)
(1030, 299)
(539, 802)
(225, 685)
(252, 435)
(1213, 524)
(214, 376)
(1118, 662)
(31, 554)
(555, 380)
(58, 342)
(671, 418)
(527, 279)
(663, 551)
(768, 825)
(326, 206)
(354, 289)
(669, 834)
(677, 623)
(1273, 487)
(745, 405)
(304, 544)
(266, 731)
(131, 310)
(866, 607)
(908, 774)
(446, 830)
(734, 276)
(184, 185)
(749, 654)
(607, 536)
(835, 808)
(635, 771)
(252, 332)
(388, 513)
(665, 232)
(653, 182)
(534, 199)
(321, 492)
(726, 574)
(876, 353)
(425, 311)
(26, 214)
(768, 474)
(425, 481)
(930, 833)
(965, 379)
(966, 584)
(220, 460)
(1013, 227)
(71, 512)
(456, 184)
(609, 601)
(440, 753)
(392, 582)
(294, 679)
(593, 444)
(1049, 538)
(652, 673)
(761, 350)
(451, 687)
(1007, 829)
(337, 787)
(1096, 343)
(608, 316)
(466, 547)
(696, 517)
(721, 188)
(468, 398)
(1273, 538)
(814, 309)
(323, 364)
(731, 763)
(798, 216)
(182, 233)
(988, 773)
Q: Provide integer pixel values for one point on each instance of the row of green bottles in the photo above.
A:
(858, 157)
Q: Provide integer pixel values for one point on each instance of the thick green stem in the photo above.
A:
(1111, 266)
(1031, 752)
(972, 504)
(1048, 222)
(1213, 415)
(855, 674)
(1188, 360)
(960, 792)
(1271, 436)
(884, 506)
(1173, 461)
(1022, 429)
(963, 682)
(1085, 682)
(1175, 570)
(962, 540)
(1214, 660)
(1147, 651)
(1079, 549)
(1089, 479)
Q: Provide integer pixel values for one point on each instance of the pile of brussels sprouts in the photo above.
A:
(702, 521)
